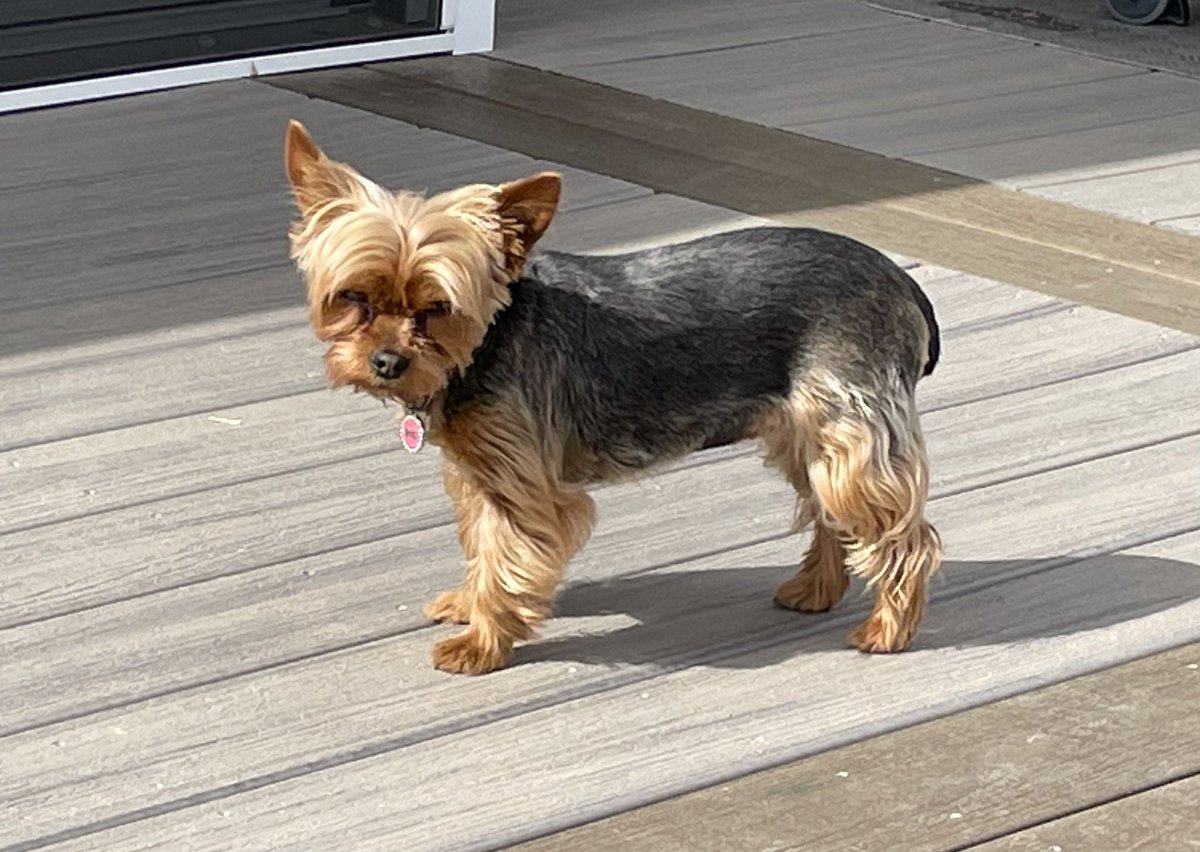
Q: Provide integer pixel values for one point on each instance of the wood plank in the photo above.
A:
(1009, 163)
(540, 33)
(945, 219)
(950, 782)
(917, 65)
(1040, 117)
(597, 721)
(804, 83)
(197, 528)
(1160, 818)
(1144, 195)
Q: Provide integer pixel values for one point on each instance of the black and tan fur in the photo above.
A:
(540, 373)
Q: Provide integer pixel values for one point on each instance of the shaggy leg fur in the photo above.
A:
(868, 472)
(821, 581)
(454, 605)
(520, 527)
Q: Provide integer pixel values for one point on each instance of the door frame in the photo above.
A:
(466, 26)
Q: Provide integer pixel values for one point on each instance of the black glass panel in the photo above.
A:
(53, 41)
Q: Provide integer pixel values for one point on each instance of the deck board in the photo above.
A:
(1160, 818)
(538, 32)
(711, 687)
(949, 782)
(757, 83)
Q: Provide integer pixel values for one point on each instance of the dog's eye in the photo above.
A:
(437, 309)
(359, 298)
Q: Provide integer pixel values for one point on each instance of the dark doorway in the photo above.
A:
(55, 41)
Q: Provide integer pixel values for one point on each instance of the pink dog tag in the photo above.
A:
(412, 433)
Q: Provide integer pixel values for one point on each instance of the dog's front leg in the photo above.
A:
(519, 527)
(455, 604)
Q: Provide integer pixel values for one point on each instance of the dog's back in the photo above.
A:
(757, 283)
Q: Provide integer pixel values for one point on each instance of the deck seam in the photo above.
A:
(1174, 778)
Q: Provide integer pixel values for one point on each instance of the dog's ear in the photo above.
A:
(315, 179)
(526, 207)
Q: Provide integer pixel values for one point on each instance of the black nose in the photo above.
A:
(388, 363)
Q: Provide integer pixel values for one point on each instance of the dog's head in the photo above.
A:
(403, 287)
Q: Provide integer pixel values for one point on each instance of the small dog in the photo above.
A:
(540, 374)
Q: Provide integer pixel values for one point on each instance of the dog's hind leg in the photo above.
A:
(868, 472)
(822, 580)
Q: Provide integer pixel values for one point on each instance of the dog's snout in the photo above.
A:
(388, 363)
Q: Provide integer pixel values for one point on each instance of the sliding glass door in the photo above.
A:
(54, 41)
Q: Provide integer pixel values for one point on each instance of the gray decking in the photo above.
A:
(210, 633)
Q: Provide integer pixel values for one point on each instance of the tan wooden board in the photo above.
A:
(942, 218)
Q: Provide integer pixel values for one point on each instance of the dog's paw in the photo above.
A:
(449, 606)
(467, 653)
(810, 591)
(882, 633)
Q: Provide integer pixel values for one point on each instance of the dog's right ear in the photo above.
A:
(315, 179)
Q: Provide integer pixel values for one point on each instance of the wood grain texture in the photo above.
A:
(1143, 194)
(950, 782)
(806, 83)
(538, 32)
(1162, 818)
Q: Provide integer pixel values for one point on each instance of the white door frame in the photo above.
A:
(468, 26)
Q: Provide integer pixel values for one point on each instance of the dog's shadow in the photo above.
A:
(724, 617)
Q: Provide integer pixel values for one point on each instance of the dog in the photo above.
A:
(539, 373)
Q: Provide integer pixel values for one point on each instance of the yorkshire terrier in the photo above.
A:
(538, 374)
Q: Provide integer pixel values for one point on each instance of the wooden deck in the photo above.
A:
(210, 637)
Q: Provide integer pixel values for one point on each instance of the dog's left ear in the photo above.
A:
(526, 207)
